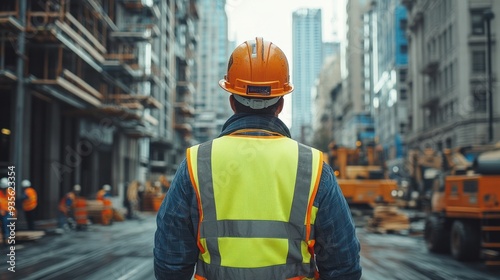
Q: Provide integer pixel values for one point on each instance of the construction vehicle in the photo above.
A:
(361, 175)
(465, 208)
(422, 168)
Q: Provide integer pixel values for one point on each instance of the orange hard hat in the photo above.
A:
(257, 69)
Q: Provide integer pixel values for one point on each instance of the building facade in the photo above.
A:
(388, 59)
(448, 73)
(88, 90)
(307, 44)
(355, 120)
(211, 102)
(186, 47)
(324, 110)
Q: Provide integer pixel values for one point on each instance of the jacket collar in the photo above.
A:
(248, 121)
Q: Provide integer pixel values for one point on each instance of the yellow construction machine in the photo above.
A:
(362, 175)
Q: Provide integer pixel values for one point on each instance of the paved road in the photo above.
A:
(406, 258)
(120, 251)
(124, 251)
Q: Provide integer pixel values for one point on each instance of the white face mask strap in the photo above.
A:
(255, 103)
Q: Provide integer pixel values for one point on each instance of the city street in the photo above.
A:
(124, 251)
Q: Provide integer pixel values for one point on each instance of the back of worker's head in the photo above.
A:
(257, 77)
(106, 187)
(4, 183)
(77, 188)
(26, 183)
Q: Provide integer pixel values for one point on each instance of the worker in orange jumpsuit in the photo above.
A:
(29, 202)
(104, 196)
(5, 214)
(104, 192)
(66, 205)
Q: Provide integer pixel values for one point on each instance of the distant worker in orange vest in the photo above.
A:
(165, 183)
(104, 192)
(66, 205)
(29, 201)
(4, 209)
(104, 195)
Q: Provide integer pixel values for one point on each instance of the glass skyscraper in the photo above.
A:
(307, 61)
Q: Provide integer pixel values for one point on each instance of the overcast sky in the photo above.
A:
(272, 19)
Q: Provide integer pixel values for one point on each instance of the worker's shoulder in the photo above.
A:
(201, 143)
(307, 146)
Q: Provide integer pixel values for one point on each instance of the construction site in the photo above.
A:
(99, 106)
(94, 88)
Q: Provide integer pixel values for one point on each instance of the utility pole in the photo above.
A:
(488, 15)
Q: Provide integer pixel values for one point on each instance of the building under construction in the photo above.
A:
(94, 92)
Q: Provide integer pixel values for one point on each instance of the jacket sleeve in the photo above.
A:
(337, 247)
(175, 247)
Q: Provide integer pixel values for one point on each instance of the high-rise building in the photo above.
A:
(329, 49)
(388, 60)
(328, 84)
(355, 121)
(307, 61)
(88, 92)
(448, 73)
(212, 107)
(186, 45)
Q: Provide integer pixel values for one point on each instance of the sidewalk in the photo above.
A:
(123, 250)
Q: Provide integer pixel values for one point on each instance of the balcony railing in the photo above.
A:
(430, 68)
(50, 26)
(145, 7)
(184, 108)
(9, 17)
(70, 83)
(137, 32)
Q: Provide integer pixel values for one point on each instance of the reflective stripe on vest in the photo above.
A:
(253, 214)
(30, 202)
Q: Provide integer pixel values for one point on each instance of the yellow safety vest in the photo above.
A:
(255, 198)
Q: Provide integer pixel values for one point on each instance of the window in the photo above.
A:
(479, 96)
(445, 41)
(403, 49)
(478, 62)
(403, 95)
(402, 75)
(403, 23)
(402, 128)
(476, 19)
(446, 84)
(449, 143)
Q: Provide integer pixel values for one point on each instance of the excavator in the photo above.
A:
(361, 175)
(464, 218)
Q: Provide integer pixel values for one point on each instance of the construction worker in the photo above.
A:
(104, 196)
(4, 209)
(29, 202)
(132, 201)
(253, 203)
(165, 184)
(104, 192)
(66, 205)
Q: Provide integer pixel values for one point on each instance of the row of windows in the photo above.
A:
(477, 22)
(478, 61)
(450, 110)
(444, 82)
(438, 14)
(441, 45)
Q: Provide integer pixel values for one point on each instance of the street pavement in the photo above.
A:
(124, 250)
